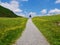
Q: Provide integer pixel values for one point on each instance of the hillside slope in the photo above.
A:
(4, 12)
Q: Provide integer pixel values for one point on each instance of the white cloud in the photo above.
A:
(20, 0)
(54, 11)
(21, 14)
(44, 11)
(57, 1)
(24, 0)
(32, 14)
(13, 5)
(50, 12)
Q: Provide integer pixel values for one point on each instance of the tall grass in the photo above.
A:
(11, 29)
(50, 28)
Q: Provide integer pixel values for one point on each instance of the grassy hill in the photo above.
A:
(10, 28)
(50, 28)
(4, 12)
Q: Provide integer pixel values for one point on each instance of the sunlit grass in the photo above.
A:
(50, 28)
(11, 29)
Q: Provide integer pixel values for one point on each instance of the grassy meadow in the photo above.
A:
(50, 28)
(11, 29)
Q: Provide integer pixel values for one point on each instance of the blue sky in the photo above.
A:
(35, 7)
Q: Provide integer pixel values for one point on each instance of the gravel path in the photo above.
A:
(31, 36)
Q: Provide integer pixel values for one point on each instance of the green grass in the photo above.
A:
(50, 28)
(11, 29)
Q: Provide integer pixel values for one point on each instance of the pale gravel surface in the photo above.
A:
(31, 36)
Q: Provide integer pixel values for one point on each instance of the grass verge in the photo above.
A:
(50, 28)
(11, 29)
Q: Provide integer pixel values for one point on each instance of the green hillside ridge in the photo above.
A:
(10, 28)
(4, 12)
(50, 28)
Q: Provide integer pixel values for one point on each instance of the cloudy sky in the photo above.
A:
(33, 7)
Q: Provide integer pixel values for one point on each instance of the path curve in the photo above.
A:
(32, 36)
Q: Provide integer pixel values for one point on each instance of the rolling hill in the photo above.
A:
(4, 12)
(10, 28)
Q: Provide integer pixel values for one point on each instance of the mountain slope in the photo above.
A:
(4, 12)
